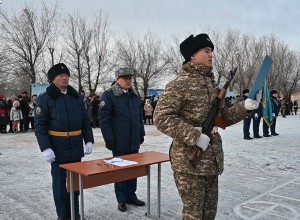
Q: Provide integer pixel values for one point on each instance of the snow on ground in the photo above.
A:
(261, 178)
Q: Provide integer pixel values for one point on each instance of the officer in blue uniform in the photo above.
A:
(122, 126)
(247, 120)
(61, 126)
(256, 115)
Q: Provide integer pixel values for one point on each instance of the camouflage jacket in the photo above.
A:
(183, 106)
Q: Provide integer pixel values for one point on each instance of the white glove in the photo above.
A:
(251, 104)
(203, 140)
(88, 148)
(273, 114)
(256, 115)
(49, 155)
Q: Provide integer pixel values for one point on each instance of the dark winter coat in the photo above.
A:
(275, 105)
(24, 106)
(4, 113)
(62, 112)
(121, 119)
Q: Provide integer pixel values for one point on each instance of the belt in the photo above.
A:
(64, 133)
(214, 130)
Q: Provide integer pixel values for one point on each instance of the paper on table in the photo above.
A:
(120, 162)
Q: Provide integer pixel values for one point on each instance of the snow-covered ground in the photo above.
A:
(261, 178)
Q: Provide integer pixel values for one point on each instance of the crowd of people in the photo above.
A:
(17, 113)
(92, 103)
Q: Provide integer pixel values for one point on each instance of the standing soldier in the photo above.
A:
(256, 115)
(275, 111)
(61, 126)
(247, 120)
(122, 127)
(180, 113)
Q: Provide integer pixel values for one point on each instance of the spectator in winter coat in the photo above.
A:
(89, 108)
(32, 105)
(4, 114)
(95, 109)
(61, 127)
(25, 96)
(148, 109)
(24, 106)
(295, 107)
(15, 116)
(122, 127)
(10, 105)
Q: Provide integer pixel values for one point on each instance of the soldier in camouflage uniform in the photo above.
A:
(180, 113)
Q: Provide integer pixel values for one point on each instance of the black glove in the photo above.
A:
(142, 140)
(110, 145)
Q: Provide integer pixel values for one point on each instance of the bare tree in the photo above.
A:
(152, 61)
(148, 57)
(98, 54)
(25, 36)
(78, 38)
(175, 57)
(127, 54)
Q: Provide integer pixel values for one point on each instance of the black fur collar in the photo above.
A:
(54, 92)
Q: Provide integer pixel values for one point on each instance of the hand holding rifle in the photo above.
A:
(211, 120)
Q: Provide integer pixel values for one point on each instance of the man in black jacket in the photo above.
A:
(61, 126)
(24, 106)
(122, 127)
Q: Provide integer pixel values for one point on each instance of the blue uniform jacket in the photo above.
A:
(62, 112)
(121, 119)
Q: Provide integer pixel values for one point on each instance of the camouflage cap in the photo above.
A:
(124, 72)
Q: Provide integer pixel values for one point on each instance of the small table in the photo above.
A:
(88, 174)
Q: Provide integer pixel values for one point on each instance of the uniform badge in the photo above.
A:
(102, 104)
(38, 110)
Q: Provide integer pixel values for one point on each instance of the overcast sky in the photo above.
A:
(166, 18)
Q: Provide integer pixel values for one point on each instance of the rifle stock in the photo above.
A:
(212, 119)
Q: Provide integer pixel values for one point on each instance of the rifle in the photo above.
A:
(212, 118)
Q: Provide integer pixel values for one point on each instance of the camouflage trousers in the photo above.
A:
(199, 195)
